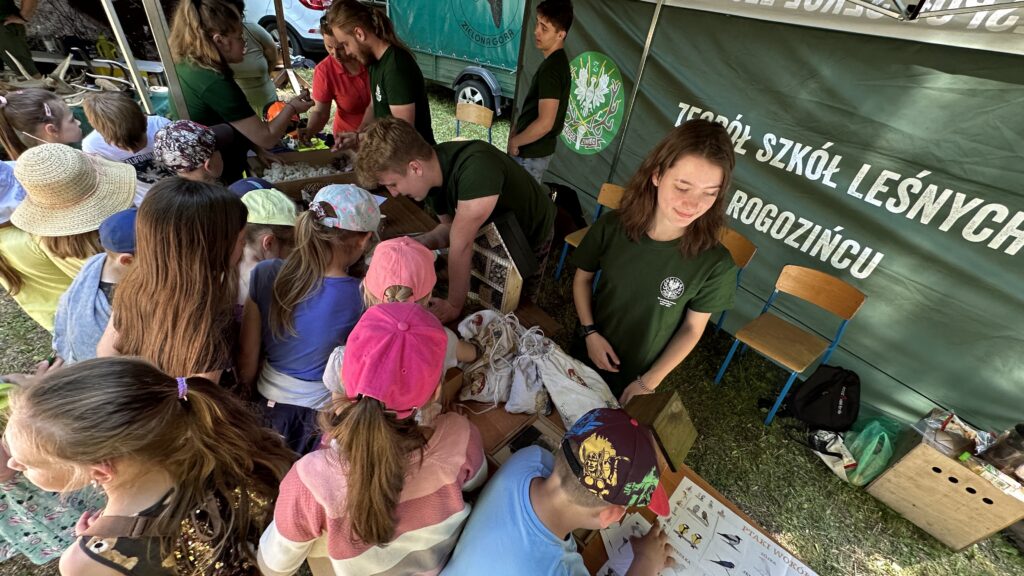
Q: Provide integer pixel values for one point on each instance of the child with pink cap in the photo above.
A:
(402, 270)
(299, 309)
(409, 477)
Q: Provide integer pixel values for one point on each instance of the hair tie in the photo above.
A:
(182, 389)
(318, 211)
(47, 111)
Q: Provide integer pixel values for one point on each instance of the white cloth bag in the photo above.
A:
(575, 388)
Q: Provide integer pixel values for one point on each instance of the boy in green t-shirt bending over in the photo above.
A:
(532, 142)
(468, 183)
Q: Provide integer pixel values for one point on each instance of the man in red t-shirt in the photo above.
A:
(340, 79)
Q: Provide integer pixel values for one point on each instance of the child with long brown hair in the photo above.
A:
(175, 305)
(300, 308)
(35, 116)
(188, 471)
(386, 497)
(663, 271)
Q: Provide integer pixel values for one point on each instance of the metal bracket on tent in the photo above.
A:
(901, 15)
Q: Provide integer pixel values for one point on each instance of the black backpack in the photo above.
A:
(828, 400)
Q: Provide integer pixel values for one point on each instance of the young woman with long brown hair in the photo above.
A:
(189, 473)
(206, 37)
(386, 497)
(300, 308)
(663, 271)
(175, 305)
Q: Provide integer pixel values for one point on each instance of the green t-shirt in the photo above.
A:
(395, 80)
(212, 98)
(475, 169)
(645, 290)
(551, 81)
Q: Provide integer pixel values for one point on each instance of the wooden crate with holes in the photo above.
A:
(944, 498)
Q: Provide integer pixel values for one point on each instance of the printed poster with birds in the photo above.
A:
(709, 539)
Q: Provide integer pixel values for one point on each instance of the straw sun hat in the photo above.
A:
(68, 191)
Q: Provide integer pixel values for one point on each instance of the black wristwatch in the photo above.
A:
(587, 329)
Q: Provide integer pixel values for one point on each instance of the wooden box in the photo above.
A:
(666, 416)
(293, 188)
(495, 280)
(944, 498)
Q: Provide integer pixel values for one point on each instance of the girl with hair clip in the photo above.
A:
(35, 116)
(387, 495)
(206, 38)
(188, 471)
(663, 270)
(401, 270)
(396, 82)
(300, 308)
(175, 304)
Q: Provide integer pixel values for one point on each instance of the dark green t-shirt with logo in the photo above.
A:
(395, 80)
(550, 81)
(212, 97)
(476, 169)
(645, 290)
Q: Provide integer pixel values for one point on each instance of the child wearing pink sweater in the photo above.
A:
(386, 497)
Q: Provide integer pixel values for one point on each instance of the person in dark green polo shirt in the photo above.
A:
(14, 38)
(663, 270)
(205, 38)
(540, 121)
(396, 82)
(468, 183)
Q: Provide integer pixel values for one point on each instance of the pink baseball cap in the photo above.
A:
(401, 262)
(395, 354)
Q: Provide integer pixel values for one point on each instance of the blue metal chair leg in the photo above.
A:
(778, 401)
(597, 278)
(721, 320)
(728, 359)
(561, 261)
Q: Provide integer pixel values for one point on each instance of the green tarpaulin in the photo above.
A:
(895, 165)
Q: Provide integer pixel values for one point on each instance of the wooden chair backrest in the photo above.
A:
(741, 249)
(469, 112)
(610, 195)
(820, 289)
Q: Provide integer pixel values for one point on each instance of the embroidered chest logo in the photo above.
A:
(378, 94)
(671, 289)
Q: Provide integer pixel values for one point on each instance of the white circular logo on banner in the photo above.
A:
(672, 288)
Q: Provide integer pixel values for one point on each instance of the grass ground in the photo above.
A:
(838, 530)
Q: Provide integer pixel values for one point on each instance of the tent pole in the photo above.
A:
(126, 53)
(158, 27)
(636, 89)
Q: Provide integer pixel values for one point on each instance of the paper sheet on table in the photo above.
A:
(616, 541)
(709, 538)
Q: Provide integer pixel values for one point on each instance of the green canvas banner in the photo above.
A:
(894, 165)
(485, 31)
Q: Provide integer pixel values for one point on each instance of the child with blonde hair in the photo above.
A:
(401, 270)
(300, 308)
(188, 471)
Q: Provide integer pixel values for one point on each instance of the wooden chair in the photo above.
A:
(610, 196)
(787, 344)
(474, 114)
(742, 251)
